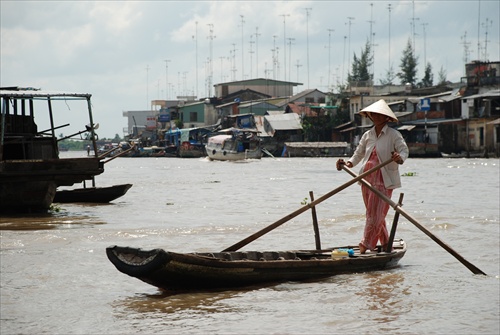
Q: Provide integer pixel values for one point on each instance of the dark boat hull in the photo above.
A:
(92, 194)
(197, 271)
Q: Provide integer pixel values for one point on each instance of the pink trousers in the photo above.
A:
(376, 208)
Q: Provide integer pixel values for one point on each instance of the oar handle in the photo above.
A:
(301, 210)
(398, 209)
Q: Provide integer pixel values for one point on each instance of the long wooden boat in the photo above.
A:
(92, 194)
(173, 271)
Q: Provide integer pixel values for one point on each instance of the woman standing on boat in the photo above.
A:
(378, 145)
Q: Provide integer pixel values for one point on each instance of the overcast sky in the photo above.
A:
(126, 53)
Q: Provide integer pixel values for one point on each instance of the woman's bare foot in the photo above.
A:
(362, 249)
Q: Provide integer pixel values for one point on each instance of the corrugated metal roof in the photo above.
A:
(288, 121)
(417, 99)
(492, 93)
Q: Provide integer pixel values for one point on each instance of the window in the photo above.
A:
(193, 117)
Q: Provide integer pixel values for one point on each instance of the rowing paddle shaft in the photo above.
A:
(301, 210)
(398, 209)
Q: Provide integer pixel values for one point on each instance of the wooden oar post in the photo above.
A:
(398, 208)
(394, 225)
(315, 223)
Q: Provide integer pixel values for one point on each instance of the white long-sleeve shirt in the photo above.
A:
(388, 141)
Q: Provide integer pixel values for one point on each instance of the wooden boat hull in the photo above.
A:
(231, 155)
(198, 271)
(92, 194)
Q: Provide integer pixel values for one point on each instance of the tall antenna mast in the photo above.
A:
(257, 52)
(349, 48)
(147, 86)
(290, 41)
(486, 25)
(242, 51)
(166, 78)
(307, 34)
(389, 53)
(251, 52)
(330, 31)
(479, 30)
(425, 45)
(372, 34)
(210, 62)
(196, 39)
(413, 19)
(466, 48)
(284, 44)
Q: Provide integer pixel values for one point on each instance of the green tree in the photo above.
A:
(408, 66)
(361, 66)
(442, 76)
(427, 80)
(389, 77)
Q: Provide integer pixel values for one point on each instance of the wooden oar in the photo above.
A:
(398, 209)
(301, 210)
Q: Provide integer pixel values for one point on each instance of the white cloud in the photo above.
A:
(116, 50)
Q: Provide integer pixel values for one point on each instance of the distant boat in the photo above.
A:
(92, 194)
(234, 144)
(190, 142)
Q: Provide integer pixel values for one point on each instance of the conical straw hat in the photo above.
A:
(379, 107)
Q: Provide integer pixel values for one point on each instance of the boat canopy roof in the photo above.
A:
(17, 92)
(218, 139)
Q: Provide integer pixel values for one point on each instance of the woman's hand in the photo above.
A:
(396, 157)
(341, 162)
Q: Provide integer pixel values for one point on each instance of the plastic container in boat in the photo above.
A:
(342, 252)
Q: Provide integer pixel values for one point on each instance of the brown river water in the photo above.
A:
(55, 277)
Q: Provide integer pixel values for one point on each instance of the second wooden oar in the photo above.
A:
(398, 209)
(301, 210)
